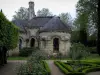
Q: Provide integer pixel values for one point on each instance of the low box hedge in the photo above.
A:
(48, 71)
(61, 67)
(75, 73)
(66, 66)
(93, 69)
(24, 52)
(66, 69)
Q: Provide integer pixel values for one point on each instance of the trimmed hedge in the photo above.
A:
(48, 71)
(26, 51)
(61, 67)
(76, 73)
(93, 69)
(66, 69)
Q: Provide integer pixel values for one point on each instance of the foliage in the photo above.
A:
(26, 51)
(87, 67)
(92, 50)
(78, 51)
(21, 14)
(68, 67)
(34, 65)
(90, 7)
(17, 58)
(65, 71)
(47, 68)
(66, 19)
(8, 33)
(44, 12)
(61, 67)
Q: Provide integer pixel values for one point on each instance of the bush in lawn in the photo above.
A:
(77, 52)
(34, 65)
(92, 50)
(26, 51)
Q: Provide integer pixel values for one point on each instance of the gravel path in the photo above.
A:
(54, 68)
(9, 68)
(94, 73)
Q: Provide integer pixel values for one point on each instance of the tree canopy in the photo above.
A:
(44, 12)
(66, 18)
(89, 20)
(22, 14)
(8, 33)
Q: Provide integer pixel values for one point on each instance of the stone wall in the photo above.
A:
(64, 42)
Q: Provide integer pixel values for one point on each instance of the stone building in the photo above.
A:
(48, 33)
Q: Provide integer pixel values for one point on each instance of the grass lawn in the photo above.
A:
(17, 58)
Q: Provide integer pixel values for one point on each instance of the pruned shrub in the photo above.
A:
(34, 65)
(26, 51)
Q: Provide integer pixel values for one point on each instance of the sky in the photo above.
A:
(55, 6)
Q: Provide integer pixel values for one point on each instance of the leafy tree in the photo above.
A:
(8, 37)
(82, 22)
(44, 12)
(77, 52)
(66, 18)
(22, 14)
(90, 8)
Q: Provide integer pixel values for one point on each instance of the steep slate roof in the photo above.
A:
(20, 23)
(55, 24)
(39, 21)
(49, 23)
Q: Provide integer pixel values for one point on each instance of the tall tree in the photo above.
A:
(66, 19)
(22, 14)
(8, 37)
(82, 22)
(44, 12)
(90, 7)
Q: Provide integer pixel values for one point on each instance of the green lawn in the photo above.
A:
(17, 58)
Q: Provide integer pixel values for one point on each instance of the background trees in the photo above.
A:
(88, 8)
(21, 14)
(44, 12)
(8, 37)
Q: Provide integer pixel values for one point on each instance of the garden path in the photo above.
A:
(54, 69)
(94, 73)
(10, 67)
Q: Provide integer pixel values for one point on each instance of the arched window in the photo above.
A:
(56, 44)
(20, 43)
(32, 43)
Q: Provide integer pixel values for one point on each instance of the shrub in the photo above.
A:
(68, 67)
(92, 50)
(26, 51)
(93, 69)
(65, 71)
(78, 51)
(34, 65)
(76, 73)
(48, 71)
(61, 67)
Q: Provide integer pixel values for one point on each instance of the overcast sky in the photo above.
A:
(55, 6)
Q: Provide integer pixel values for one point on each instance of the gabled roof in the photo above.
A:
(39, 21)
(55, 24)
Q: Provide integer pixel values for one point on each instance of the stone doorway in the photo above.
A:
(32, 44)
(56, 45)
(20, 44)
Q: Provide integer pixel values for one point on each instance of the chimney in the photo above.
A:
(31, 10)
